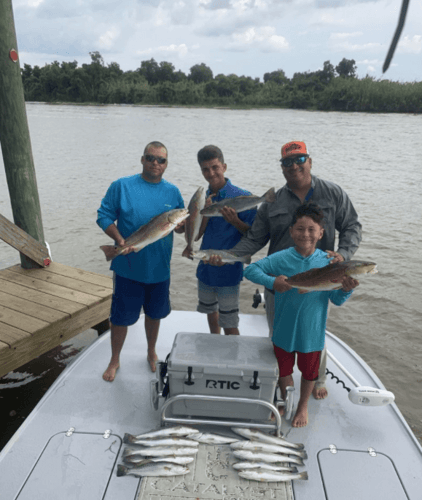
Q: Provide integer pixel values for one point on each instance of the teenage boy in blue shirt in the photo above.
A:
(141, 279)
(218, 287)
(300, 319)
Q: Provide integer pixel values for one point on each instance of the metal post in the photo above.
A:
(14, 135)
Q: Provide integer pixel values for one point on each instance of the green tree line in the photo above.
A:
(329, 89)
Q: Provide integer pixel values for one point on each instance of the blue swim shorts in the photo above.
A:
(224, 299)
(130, 296)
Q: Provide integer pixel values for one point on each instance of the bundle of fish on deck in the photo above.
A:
(164, 452)
(267, 458)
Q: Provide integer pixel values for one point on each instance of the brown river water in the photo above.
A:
(79, 150)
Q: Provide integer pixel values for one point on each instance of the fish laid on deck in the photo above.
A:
(266, 447)
(263, 465)
(169, 441)
(257, 435)
(330, 277)
(153, 469)
(209, 438)
(161, 451)
(266, 457)
(272, 476)
(157, 228)
(239, 203)
(137, 460)
(226, 256)
(178, 430)
(193, 222)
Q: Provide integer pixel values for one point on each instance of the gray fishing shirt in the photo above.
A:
(273, 220)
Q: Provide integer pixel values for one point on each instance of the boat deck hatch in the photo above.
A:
(73, 466)
(363, 475)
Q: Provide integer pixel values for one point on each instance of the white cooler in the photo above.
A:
(219, 365)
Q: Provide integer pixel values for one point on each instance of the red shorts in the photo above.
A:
(307, 362)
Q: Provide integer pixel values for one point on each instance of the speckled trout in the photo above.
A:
(330, 277)
(153, 469)
(239, 203)
(226, 256)
(272, 476)
(157, 228)
(193, 222)
(178, 430)
(266, 447)
(135, 460)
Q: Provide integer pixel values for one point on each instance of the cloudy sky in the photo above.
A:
(245, 37)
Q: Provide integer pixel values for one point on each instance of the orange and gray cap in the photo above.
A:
(294, 148)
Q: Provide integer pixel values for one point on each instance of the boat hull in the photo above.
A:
(338, 439)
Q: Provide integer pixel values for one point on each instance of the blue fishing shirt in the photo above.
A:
(300, 319)
(221, 235)
(133, 202)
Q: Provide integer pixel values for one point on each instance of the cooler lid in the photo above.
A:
(73, 466)
(228, 353)
(363, 475)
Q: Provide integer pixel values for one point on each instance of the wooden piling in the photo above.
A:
(14, 136)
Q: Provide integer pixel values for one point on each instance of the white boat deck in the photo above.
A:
(80, 399)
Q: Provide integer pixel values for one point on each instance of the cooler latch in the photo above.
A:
(189, 380)
(254, 385)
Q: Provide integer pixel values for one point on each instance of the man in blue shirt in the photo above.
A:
(141, 279)
(218, 287)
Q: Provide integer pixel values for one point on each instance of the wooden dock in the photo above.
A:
(41, 308)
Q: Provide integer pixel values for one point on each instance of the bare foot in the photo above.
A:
(301, 418)
(319, 392)
(152, 360)
(110, 374)
(280, 410)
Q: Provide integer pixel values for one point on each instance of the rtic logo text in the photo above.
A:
(222, 384)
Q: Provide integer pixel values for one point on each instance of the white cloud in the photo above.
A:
(264, 39)
(343, 36)
(107, 40)
(346, 46)
(35, 3)
(179, 50)
(410, 45)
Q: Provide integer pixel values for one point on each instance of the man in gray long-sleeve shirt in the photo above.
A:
(273, 220)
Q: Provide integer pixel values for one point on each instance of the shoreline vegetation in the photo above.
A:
(159, 84)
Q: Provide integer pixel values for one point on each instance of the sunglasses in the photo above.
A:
(299, 160)
(152, 158)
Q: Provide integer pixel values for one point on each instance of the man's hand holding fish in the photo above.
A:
(334, 256)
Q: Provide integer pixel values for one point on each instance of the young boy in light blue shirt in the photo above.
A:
(300, 319)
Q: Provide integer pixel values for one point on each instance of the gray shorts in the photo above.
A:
(224, 299)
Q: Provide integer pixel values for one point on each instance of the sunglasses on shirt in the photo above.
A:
(152, 158)
(299, 160)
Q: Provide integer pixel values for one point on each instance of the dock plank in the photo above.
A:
(16, 303)
(21, 320)
(80, 274)
(59, 291)
(38, 297)
(10, 335)
(43, 341)
(41, 308)
(64, 281)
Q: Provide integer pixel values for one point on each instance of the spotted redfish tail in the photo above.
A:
(110, 251)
